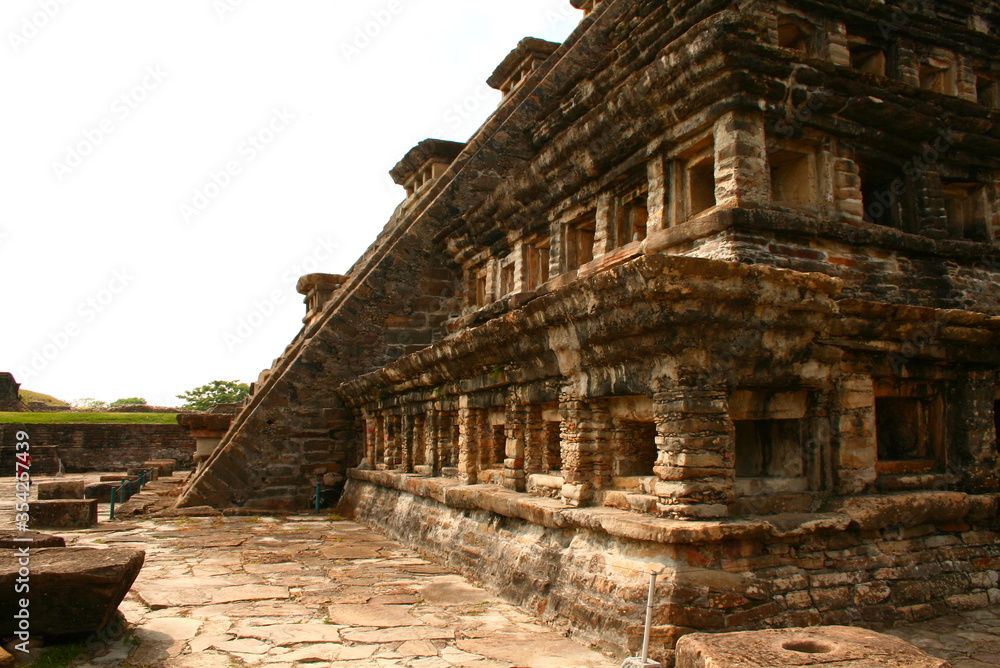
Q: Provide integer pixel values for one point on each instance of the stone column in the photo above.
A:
(742, 175)
(447, 440)
(583, 432)
(534, 439)
(696, 458)
(392, 456)
(973, 431)
(837, 50)
(657, 210)
(605, 227)
(378, 461)
(431, 456)
(852, 415)
(371, 430)
(847, 186)
(406, 443)
(470, 440)
(513, 473)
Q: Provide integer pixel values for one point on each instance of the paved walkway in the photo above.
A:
(307, 590)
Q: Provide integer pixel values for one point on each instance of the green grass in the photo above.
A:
(28, 396)
(78, 418)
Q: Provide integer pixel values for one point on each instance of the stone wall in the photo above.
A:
(867, 561)
(103, 447)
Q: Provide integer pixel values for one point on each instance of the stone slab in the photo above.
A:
(30, 539)
(367, 614)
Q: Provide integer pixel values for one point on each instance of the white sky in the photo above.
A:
(113, 289)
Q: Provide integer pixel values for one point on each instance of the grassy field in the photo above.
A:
(77, 418)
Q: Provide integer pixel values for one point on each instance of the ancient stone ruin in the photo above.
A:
(717, 287)
(10, 400)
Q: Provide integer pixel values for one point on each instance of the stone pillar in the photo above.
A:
(852, 414)
(972, 430)
(432, 458)
(583, 433)
(965, 79)
(534, 439)
(447, 440)
(657, 208)
(393, 456)
(605, 228)
(696, 457)
(513, 473)
(847, 186)
(471, 423)
(377, 460)
(907, 64)
(742, 175)
(368, 424)
(837, 50)
(407, 444)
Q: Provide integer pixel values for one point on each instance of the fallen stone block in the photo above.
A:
(30, 539)
(100, 491)
(841, 646)
(73, 590)
(61, 489)
(164, 466)
(64, 513)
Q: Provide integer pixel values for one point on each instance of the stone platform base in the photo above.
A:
(870, 561)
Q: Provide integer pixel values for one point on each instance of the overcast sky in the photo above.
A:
(169, 169)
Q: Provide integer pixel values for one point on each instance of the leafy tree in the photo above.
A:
(217, 392)
(131, 401)
(89, 402)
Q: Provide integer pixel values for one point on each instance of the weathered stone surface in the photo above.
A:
(100, 491)
(30, 539)
(527, 651)
(822, 646)
(64, 513)
(72, 589)
(379, 616)
(60, 489)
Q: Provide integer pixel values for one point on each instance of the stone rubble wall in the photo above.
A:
(868, 561)
(102, 447)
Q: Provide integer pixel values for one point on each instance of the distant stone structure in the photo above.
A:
(10, 401)
(716, 287)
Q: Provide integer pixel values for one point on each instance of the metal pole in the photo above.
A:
(114, 491)
(649, 617)
(319, 487)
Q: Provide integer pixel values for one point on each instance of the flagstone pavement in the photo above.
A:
(322, 591)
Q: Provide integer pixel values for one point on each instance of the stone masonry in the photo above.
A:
(717, 287)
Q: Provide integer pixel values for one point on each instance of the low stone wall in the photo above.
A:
(102, 447)
(869, 561)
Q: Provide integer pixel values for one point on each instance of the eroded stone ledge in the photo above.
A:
(867, 513)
